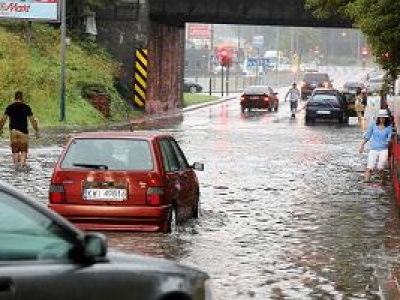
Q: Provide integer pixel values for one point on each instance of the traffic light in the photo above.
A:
(224, 57)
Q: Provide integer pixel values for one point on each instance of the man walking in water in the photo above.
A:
(294, 96)
(18, 112)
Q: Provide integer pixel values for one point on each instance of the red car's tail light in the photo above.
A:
(242, 98)
(56, 194)
(266, 98)
(155, 195)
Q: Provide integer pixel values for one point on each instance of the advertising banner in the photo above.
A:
(200, 31)
(40, 10)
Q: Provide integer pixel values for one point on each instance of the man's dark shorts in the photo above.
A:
(19, 141)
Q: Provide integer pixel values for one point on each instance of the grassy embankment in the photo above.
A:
(33, 65)
(191, 99)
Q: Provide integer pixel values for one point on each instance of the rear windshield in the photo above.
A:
(376, 80)
(109, 154)
(323, 98)
(320, 77)
(326, 92)
(353, 84)
(257, 90)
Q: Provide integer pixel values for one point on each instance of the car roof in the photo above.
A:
(138, 134)
(358, 83)
(251, 87)
(317, 76)
(258, 86)
(310, 70)
(322, 89)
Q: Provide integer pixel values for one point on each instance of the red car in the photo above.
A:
(130, 181)
(259, 97)
(314, 80)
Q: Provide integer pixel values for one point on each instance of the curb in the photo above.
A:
(139, 122)
(173, 116)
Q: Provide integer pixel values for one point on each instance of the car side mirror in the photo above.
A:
(90, 249)
(95, 245)
(198, 166)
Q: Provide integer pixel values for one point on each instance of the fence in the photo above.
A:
(236, 83)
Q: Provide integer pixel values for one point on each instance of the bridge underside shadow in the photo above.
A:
(166, 35)
(254, 12)
(160, 27)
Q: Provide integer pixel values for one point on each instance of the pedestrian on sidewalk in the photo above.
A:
(294, 97)
(18, 114)
(360, 107)
(379, 135)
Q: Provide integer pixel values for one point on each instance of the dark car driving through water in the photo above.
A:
(314, 80)
(326, 104)
(43, 256)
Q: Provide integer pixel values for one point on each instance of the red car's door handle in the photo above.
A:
(6, 284)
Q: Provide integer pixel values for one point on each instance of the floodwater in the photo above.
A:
(284, 211)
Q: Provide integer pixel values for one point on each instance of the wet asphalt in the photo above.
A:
(284, 211)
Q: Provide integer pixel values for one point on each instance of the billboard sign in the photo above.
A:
(33, 10)
(200, 31)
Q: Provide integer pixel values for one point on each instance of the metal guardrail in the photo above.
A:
(236, 83)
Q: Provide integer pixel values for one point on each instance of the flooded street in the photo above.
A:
(284, 211)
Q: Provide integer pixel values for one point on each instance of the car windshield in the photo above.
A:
(323, 98)
(376, 80)
(256, 90)
(310, 77)
(326, 92)
(109, 154)
(27, 234)
(353, 84)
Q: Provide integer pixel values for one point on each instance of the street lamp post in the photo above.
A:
(63, 56)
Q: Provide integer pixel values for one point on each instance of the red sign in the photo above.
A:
(199, 31)
(30, 9)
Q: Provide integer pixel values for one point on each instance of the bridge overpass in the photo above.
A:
(148, 38)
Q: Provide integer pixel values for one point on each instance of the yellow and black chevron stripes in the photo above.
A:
(140, 74)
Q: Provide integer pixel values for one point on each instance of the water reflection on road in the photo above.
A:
(284, 212)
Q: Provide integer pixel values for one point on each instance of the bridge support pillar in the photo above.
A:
(165, 68)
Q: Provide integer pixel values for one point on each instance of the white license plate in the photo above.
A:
(105, 194)
(323, 112)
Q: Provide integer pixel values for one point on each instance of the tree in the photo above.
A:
(327, 8)
(380, 24)
(377, 19)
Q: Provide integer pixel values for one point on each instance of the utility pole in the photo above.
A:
(63, 55)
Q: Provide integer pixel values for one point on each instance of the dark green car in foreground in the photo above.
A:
(43, 256)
